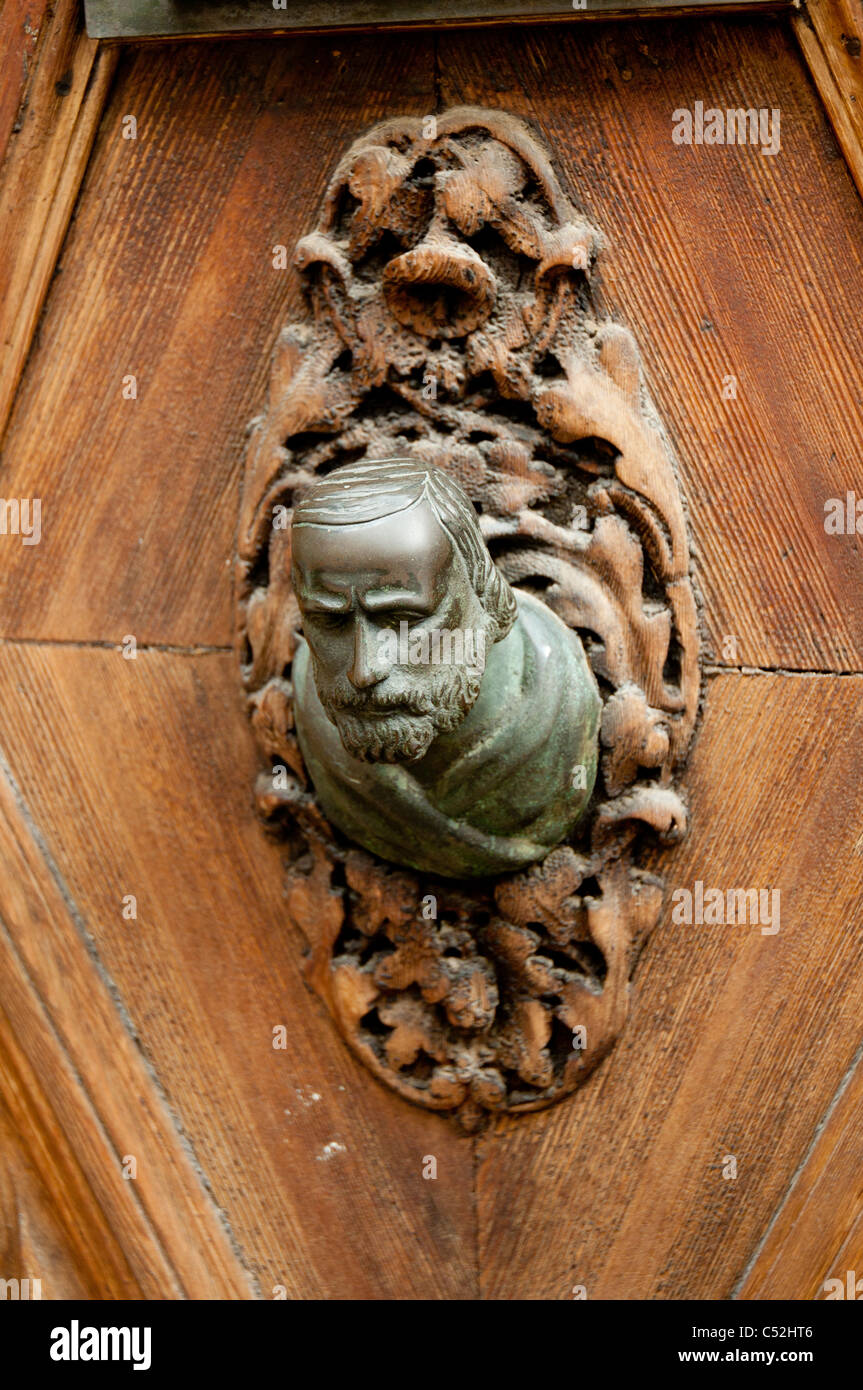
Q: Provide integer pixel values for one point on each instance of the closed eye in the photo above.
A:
(331, 622)
(403, 615)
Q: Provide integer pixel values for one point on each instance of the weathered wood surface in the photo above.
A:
(737, 263)
(817, 1234)
(830, 33)
(737, 1041)
(136, 774)
(61, 1024)
(710, 1064)
(168, 276)
(44, 165)
(21, 23)
(52, 1226)
(740, 264)
(316, 1168)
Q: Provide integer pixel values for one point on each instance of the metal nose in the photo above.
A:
(366, 669)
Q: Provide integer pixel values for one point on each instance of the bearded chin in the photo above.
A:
(398, 738)
(404, 735)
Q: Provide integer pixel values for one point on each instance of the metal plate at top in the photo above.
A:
(150, 19)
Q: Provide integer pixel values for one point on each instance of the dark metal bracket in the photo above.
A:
(153, 19)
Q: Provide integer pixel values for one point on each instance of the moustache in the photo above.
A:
(343, 696)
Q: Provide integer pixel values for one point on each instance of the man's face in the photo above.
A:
(379, 599)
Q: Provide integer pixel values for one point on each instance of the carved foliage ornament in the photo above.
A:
(452, 326)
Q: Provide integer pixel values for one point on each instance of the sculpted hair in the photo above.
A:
(369, 491)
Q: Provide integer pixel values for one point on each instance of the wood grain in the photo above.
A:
(41, 178)
(21, 24)
(830, 34)
(817, 1234)
(317, 1169)
(723, 262)
(89, 1094)
(168, 276)
(52, 1228)
(136, 775)
(737, 1040)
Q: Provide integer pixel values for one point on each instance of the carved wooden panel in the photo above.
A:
(258, 1167)
(452, 320)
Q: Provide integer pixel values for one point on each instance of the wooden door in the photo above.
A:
(155, 1143)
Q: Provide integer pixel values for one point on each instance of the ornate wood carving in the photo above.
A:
(452, 318)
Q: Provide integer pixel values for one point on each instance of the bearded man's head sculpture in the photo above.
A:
(400, 601)
(421, 655)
